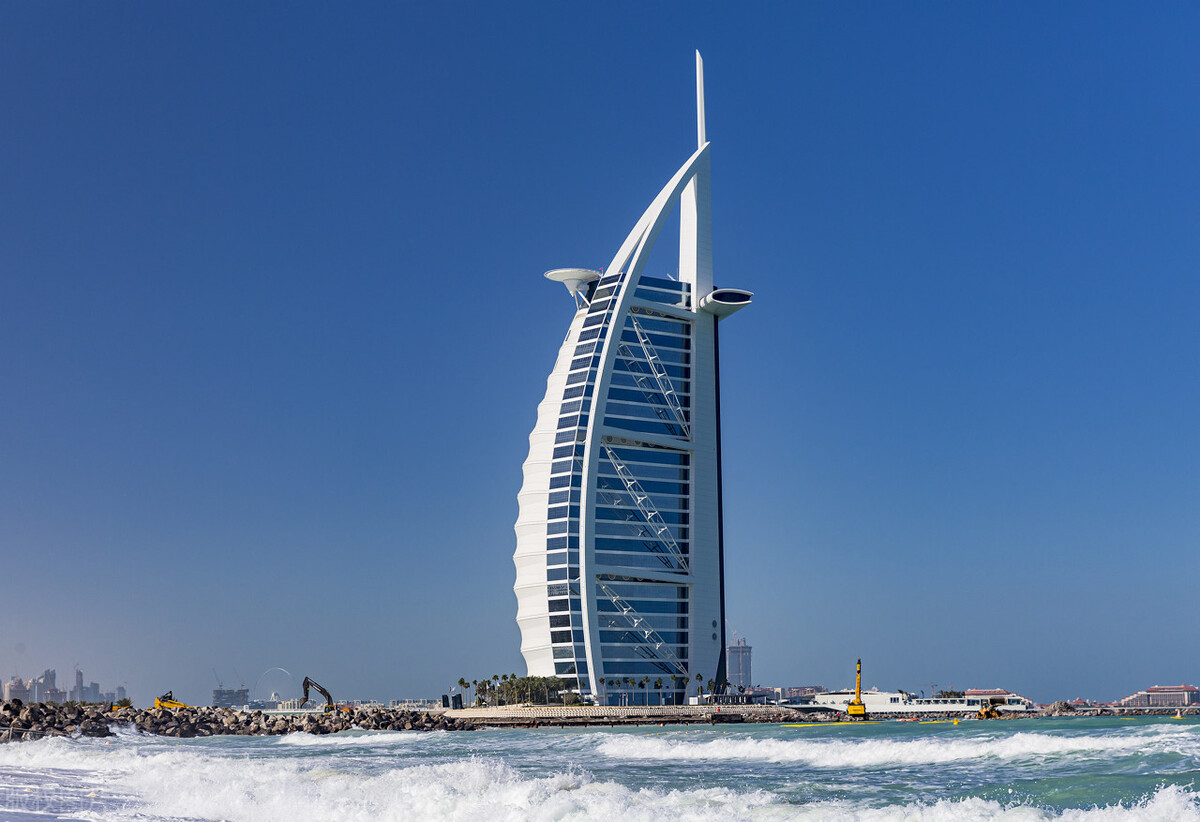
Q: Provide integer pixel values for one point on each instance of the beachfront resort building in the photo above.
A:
(619, 557)
(1163, 696)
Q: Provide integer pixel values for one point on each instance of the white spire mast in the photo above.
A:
(695, 211)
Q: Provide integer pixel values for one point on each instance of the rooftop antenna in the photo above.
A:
(700, 136)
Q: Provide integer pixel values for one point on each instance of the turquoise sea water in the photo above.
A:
(1037, 769)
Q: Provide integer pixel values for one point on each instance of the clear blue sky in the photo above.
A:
(273, 329)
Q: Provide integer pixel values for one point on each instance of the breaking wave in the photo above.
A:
(876, 752)
(173, 784)
(269, 779)
(351, 739)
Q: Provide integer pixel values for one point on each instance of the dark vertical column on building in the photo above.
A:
(721, 676)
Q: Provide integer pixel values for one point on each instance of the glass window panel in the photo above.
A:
(669, 285)
(657, 455)
(644, 426)
(646, 606)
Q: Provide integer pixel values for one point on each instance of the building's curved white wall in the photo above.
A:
(532, 502)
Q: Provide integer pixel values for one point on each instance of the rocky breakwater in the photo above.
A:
(19, 721)
(34, 721)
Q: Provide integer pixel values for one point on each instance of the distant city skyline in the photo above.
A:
(44, 688)
(1158, 695)
(272, 304)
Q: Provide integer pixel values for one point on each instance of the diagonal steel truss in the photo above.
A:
(665, 388)
(637, 527)
(645, 505)
(650, 639)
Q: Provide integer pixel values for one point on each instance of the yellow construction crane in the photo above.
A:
(856, 709)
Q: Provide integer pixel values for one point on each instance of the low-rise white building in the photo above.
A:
(900, 702)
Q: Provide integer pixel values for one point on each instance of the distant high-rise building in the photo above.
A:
(230, 697)
(121, 693)
(619, 558)
(37, 688)
(738, 657)
(16, 688)
(77, 693)
(44, 688)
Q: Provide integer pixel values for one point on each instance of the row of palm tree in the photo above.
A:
(510, 689)
(633, 685)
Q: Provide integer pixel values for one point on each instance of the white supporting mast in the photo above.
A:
(695, 217)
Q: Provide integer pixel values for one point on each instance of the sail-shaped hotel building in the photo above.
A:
(619, 558)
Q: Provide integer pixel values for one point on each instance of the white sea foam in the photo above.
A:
(876, 752)
(154, 779)
(1167, 804)
(175, 783)
(366, 739)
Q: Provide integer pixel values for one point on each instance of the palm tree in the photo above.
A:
(601, 683)
(462, 684)
(658, 687)
(700, 684)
